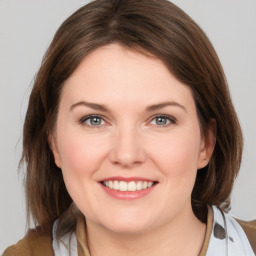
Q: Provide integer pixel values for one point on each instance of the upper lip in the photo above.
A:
(127, 179)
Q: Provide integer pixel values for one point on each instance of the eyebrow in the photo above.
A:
(90, 105)
(148, 109)
(163, 105)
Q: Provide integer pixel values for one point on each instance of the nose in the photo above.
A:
(127, 148)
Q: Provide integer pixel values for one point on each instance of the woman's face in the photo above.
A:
(128, 141)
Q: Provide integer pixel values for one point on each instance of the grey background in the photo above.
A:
(26, 29)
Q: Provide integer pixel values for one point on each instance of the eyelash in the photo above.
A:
(167, 118)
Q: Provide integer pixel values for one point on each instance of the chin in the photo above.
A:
(128, 229)
(128, 225)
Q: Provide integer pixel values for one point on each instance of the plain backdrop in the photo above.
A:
(26, 29)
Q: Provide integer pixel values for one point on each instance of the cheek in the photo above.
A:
(73, 158)
(177, 154)
(176, 158)
(80, 154)
(80, 160)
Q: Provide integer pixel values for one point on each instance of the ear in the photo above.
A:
(54, 149)
(207, 144)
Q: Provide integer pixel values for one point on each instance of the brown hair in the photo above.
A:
(159, 28)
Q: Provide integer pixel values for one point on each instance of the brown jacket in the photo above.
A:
(33, 244)
(249, 228)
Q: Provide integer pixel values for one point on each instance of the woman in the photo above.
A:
(131, 140)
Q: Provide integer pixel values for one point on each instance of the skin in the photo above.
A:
(129, 142)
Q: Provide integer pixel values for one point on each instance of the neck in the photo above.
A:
(183, 236)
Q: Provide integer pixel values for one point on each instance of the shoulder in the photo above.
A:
(249, 228)
(35, 243)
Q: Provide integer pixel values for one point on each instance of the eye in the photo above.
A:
(93, 120)
(162, 120)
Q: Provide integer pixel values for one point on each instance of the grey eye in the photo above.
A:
(161, 120)
(93, 120)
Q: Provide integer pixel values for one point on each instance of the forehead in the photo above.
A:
(113, 58)
(113, 73)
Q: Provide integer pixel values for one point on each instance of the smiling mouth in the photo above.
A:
(128, 186)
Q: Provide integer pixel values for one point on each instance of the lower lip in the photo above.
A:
(127, 195)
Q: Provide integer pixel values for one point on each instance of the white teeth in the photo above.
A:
(144, 185)
(139, 185)
(116, 185)
(150, 184)
(128, 186)
(123, 186)
(132, 186)
(110, 184)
